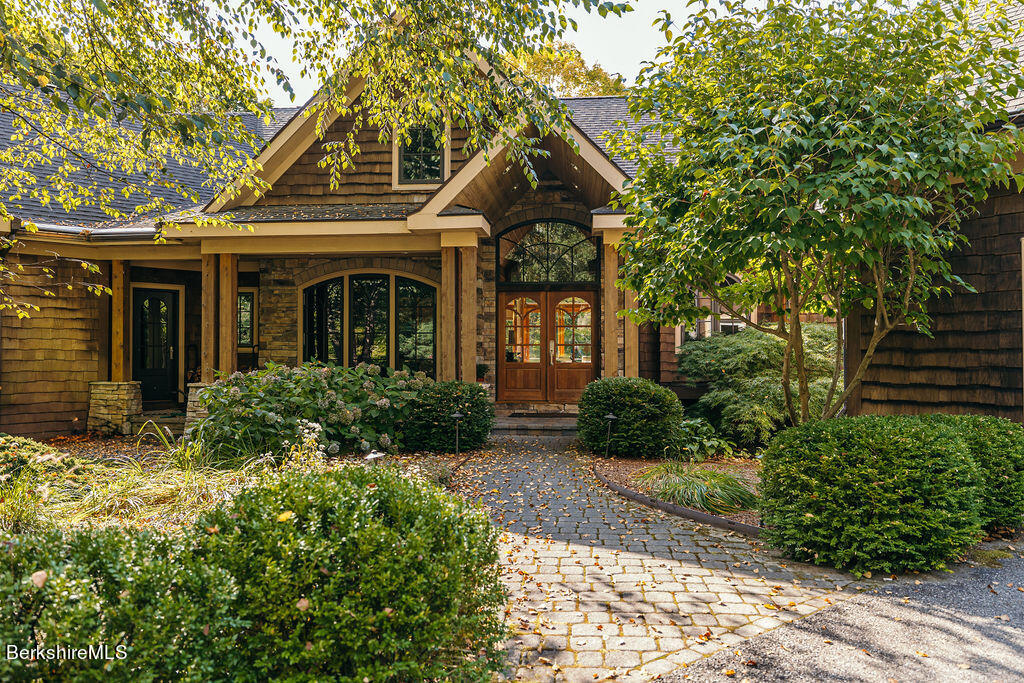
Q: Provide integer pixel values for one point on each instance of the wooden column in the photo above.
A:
(446, 333)
(120, 314)
(610, 306)
(468, 311)
(631, 340)
(208, 343)
(227, 360)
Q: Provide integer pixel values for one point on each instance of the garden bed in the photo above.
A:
(625, 473)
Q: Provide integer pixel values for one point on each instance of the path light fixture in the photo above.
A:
(611, 417)
(457, 416)
(373, 456)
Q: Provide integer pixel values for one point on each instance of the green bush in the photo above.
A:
(262, 411)
(997, 445)
(871, 493)
(719, 493)
(429, 425)
(698, 440)
(648, 415)
(352, 575)
(745, 402)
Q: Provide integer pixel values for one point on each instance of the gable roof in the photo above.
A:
(593, 116)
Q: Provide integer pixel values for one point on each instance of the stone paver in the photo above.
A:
(604, 587)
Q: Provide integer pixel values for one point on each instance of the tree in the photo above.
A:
(560, 67)
(123, 90)
(826, 152)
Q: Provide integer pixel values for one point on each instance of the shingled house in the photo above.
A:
(422, 257)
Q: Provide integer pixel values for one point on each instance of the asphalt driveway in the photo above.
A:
(968, 627)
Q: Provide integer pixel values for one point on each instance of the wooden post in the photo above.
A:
(631, 340)
(120, 314)
(208, 343)
(468, 310)
(228, 332)
(610, 306)
(446, 333)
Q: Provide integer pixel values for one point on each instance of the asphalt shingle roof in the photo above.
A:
(88, 215)
(597, 115)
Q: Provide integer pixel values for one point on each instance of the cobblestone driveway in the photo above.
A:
(602, 587)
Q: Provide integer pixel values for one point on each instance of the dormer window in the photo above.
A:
(422, 162)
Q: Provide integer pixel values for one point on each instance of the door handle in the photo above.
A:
(551, 351)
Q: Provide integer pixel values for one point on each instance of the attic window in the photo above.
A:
(421, 160)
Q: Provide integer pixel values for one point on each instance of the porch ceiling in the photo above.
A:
(502, 183)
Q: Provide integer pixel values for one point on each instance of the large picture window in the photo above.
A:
(376, 318)
(547, 253)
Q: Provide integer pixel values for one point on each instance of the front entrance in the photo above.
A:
(155, 343)
(547, 346)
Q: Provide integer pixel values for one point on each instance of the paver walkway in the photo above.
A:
(603, 587)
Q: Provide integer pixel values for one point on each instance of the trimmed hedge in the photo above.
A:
(997, 445)
(648, 423)
(352, 575)
(431, 427)
(871, 493)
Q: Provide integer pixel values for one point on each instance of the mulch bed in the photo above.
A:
(624, 471)
(96, 447)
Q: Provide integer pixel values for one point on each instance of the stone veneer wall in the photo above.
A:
(48, 360)
(193, 411)
(112, 405)
(282, 280)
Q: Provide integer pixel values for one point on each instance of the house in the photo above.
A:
(423, 257)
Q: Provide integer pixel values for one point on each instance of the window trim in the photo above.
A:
(255, 319)
(300, 352)
(446, 164)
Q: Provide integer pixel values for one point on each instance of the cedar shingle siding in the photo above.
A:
(48, 360)
(973, 363)
(367, 181)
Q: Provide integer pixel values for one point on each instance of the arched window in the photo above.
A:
(374, 318)
(547, 252)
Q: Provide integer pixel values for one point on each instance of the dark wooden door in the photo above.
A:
(155, 343)
(546, 347)
(571, 344)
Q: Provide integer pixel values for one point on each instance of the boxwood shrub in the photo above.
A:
(353, 575)
(871, 493)
(997, 445)
(430, 426)
(648, 415)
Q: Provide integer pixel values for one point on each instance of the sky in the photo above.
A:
(619, 44)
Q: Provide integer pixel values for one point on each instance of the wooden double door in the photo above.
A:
(547, 346)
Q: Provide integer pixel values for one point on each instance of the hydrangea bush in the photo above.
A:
(262, 412)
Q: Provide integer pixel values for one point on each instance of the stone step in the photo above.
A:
(164, 420)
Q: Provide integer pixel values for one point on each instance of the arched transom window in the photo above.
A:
(378, 318)
(547, 252)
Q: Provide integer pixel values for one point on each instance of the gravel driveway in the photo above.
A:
(969, 627)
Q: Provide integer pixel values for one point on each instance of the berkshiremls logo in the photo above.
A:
(61, 652)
